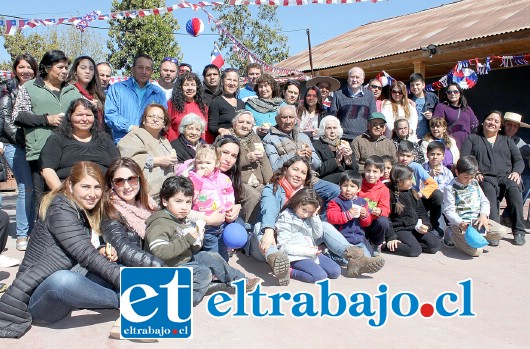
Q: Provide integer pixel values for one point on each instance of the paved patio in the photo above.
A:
(501, 298)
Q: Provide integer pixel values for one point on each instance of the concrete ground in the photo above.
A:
(500, 300)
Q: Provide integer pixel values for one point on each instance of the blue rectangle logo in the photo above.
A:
(156, 303)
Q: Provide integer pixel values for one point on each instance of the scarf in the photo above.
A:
(289, 190)
(134, 216)
(265, 105)
(88, 96)
(245, 141)
(328, 141)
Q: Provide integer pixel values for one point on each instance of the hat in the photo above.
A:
(514, 117)
(334, 84)
(376, 115)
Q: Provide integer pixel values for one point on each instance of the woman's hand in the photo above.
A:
(262, 131)
(316, 250)
(223, 131)
(215, 218)
(392, 245)
(165, 161)
(232, 213)
(516, 177)
(113, 257)
(267, 241)
(479, 177)
(55, 120)
(254, 156)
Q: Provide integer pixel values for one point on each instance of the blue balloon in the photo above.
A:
(235, 235)
(474, 238)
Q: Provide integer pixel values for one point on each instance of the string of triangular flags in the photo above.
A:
(244, 53)
(462, 74)
(296, 2)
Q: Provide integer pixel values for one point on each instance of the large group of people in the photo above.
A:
(146, 173)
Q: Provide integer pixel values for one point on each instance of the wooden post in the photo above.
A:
(419, 67)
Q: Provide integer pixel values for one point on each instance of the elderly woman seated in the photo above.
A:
(149, 148)
(336, 155)
(78, 138)
(191, 128)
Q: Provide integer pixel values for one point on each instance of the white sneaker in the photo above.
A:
(7, 262)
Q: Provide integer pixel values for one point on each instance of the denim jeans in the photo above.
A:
(334, 240)
(218, 266)
(213, 241)
(16, 159)
(66, 290)
(202, 277)
(327, 191)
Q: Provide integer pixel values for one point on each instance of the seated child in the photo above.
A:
(213, 191)
(425, 186)
(389, 162)
(439, 133)
(401, 132)
(409, 219)
(464, 204)
(441, 174)
(376, 194)
(297, 227)
(350, 213)
(172, 237)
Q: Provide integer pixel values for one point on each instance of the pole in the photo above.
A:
(310, 54)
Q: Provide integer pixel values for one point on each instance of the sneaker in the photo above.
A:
(449, 244)
(252, 284)
(493, 243)
(22, 244)
(280, 265)
(8, 262)
(377, 250)
(115, 332)
(519, 239)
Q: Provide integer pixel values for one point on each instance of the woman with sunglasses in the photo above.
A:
(129, 205)
(376, 86)
(149, 147)
(460, 118)
(311, 112)
(224, 106)
(399, 107)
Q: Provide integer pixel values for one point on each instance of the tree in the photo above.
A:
(152, 35)
(259, 33)
(67, 38)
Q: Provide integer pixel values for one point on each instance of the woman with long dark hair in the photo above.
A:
(311, 112)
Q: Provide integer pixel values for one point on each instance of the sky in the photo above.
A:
(323, 21)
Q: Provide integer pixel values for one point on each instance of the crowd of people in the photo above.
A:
(145, 173)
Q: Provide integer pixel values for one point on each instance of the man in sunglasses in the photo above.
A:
(127, 100)
(425, 103)
(168, 75)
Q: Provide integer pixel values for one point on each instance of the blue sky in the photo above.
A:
(324, 21)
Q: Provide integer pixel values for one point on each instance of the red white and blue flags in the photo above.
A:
(217, 58)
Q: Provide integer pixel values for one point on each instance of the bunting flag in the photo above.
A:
(217, 58)
(296, 2)
(6, 74)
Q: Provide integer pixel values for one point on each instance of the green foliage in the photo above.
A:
(152, 35)
(66, 38)
(258, 32)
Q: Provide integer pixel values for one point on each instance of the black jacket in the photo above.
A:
(412, 211)
(329, 170)
(128, 245)
(184, 151)
(9, 133)
(59, 242)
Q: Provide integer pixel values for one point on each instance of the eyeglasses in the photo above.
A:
(154, 117)
(171, 59)
(132, 180)
(379, 124)
(397, 92)
(453, 92)
(376, 87)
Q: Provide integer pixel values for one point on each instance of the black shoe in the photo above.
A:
(493, 243)
(519, 239)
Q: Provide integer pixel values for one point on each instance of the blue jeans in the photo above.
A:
(16, 159)
(334, 240)
(213, 241)
(218, 266)
(202, 277)
(307, 270)
(66, 290)
(327, 191)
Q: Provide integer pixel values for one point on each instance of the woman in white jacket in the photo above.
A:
(398, 106)
(297, 228)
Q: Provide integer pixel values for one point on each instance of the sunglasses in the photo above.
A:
(453, 92)
(397, 92)
(376, 87)
(171, 59)
(132, 180)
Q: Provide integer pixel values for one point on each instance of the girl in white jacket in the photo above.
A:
(297, 228)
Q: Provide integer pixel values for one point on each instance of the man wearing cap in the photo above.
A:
(353, 104)
(373, 141)
(512, 122)
(168, 75)
(326, 85)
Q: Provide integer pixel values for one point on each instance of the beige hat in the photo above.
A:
(514, 117)
(334, 84)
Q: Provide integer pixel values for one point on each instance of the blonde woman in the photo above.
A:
(398, 106)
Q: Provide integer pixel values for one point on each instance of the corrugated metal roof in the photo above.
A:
(447, 24)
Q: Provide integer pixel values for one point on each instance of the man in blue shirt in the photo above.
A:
(425, 103)
(253, 72)
(127, 100)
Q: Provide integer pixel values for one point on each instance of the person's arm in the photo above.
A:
(22, 113)
(517, 159)
(449, 207)
(275, 159)
(50, 176)
(473, 120)
(113, 115)
(484, 203)
(164, 244)
(454, 151)
(315, 160)
(132, 146)
(357, 153)
(384, 202)
(266, 169)
(6, 113)
(335, 215)
(467, 147)
(334, 105)
(284, 229)
(430, 184)
(367, 219)
(316, 225)
(327, 166)
(129, 254)
(70, 233)
(422, 214)
(214, 113)
(49, 161)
